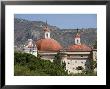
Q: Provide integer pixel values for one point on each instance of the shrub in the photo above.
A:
(29, 65)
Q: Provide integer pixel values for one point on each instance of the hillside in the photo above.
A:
(24, 30)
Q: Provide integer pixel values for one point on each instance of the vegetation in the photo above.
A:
(84, 73)
(90, 72)
(95, 45)
(29, 65)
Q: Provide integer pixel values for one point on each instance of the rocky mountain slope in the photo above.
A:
(24, 30)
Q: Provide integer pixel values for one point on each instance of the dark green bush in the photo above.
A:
(29, 65)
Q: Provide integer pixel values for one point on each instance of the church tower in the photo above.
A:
(47, 32)
(77, 38)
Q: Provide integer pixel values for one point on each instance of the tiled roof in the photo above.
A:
(76, 47)
(48, 45)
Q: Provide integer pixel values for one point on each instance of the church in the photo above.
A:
(76, 56)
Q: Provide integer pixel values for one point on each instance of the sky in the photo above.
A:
(63, 21)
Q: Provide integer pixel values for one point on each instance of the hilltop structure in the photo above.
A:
(76, 56)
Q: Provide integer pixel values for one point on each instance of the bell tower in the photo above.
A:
(77, 38)
(47, 32)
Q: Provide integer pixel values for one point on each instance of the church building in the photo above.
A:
(47, 46)
(77, 56)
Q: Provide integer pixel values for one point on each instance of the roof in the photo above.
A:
(81, 47)
(48, 44)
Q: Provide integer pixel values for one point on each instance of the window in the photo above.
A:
(77, 41)
(68, 55)
(47, 35)
(79, 68)
(81, 55)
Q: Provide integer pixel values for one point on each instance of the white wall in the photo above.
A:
(75, 61)
(94, 55)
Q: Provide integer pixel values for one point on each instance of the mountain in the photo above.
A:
(24, 30)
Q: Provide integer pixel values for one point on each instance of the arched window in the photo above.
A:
(47, 35)
(77, 41)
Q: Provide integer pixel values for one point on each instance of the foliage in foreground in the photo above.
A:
(29, 65)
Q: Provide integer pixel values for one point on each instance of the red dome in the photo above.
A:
(48, 45)
(81, 47)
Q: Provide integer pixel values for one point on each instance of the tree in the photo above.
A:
(28, 64)
(95, 45)
(38, 56)
(57, 58)
(91, 66)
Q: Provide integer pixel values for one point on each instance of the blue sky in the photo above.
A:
(64, 20)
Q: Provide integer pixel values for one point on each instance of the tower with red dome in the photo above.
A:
(78, 46)
(47, 46)
(77, 56)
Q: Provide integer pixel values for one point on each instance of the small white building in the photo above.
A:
(30, 48)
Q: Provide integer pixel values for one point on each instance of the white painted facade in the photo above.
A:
(78, 59)
(94, 54)
(32, 51)
(47, 55)
(30, 48)
(94, 57)
(71, 65)
(72, 60)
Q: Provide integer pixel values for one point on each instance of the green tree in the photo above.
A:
(57, 58)
(91, 66)
(28, 64)
(95, 45)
